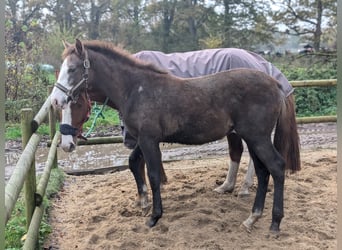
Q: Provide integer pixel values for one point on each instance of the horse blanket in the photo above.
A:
(210, 61)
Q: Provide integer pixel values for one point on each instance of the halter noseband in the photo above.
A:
(67, 129)
(73, 93)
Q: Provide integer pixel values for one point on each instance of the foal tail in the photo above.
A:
(286, 138)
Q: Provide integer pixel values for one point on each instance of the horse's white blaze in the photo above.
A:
(140, 89)
(66, 140)
(58, 97)
(229, 183)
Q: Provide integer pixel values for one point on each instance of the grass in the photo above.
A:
(12, 131)
(110, 118)
(16, 226)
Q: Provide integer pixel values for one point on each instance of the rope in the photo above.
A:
(98, 112)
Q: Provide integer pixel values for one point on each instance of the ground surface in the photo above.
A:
(99, 212)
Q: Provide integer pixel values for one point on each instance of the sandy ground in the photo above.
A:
(99, 212)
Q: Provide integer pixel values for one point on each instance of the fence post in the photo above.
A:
(30, 181)
(52, 124)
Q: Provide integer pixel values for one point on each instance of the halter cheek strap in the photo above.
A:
(73, 93)
(67, 129)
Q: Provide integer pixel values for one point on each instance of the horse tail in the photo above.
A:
(286, 138)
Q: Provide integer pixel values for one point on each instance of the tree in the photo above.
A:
(23, 28)
(160, 18)
(126, 24)
(245, 23)
(91, 14)
(61, 12)
(189, 25)
(305, 17)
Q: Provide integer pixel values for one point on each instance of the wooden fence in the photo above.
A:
(24, 174)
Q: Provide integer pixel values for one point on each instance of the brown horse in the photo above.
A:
(158, 107)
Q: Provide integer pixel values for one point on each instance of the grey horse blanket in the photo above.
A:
(209, 61)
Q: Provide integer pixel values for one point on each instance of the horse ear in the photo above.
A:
(79, 47)
(66, 44)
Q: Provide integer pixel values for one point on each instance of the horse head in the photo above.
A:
(70, 93)
(73, 76)
(73, 116)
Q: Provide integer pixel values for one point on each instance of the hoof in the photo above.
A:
(246, 226)
(243, 194)
(274, 229)
(152, 221)
(222, 190)
(273, 234)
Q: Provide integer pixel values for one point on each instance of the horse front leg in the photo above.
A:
(137, 167)
(152, 156)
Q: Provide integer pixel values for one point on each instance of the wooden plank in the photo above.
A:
(52, 125)
(16, 181)
(44, 179)
(314, 83)
(316, 119)
(101, 140)
(30, 179)
(96, 171)
(31, 241)
(41, 115)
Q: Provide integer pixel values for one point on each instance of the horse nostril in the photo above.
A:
(54, 103)
(72, 147)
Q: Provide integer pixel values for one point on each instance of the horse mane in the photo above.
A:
(109, 50)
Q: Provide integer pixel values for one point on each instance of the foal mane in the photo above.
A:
(109, 50)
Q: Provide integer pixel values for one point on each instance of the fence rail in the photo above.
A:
(25, 168)
(16, 182)
(24, 174)
(314, 83)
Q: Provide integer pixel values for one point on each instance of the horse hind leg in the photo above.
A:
(235, 152)
(248, 182)
(258, 207)
(267, 161)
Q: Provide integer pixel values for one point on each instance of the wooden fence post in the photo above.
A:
(52, 124)
(30, 181)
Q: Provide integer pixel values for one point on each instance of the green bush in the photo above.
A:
(312, 101)
(30, 91)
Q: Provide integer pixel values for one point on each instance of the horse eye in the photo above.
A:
(71, 70)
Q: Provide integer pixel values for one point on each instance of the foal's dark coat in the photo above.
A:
(158, 107)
